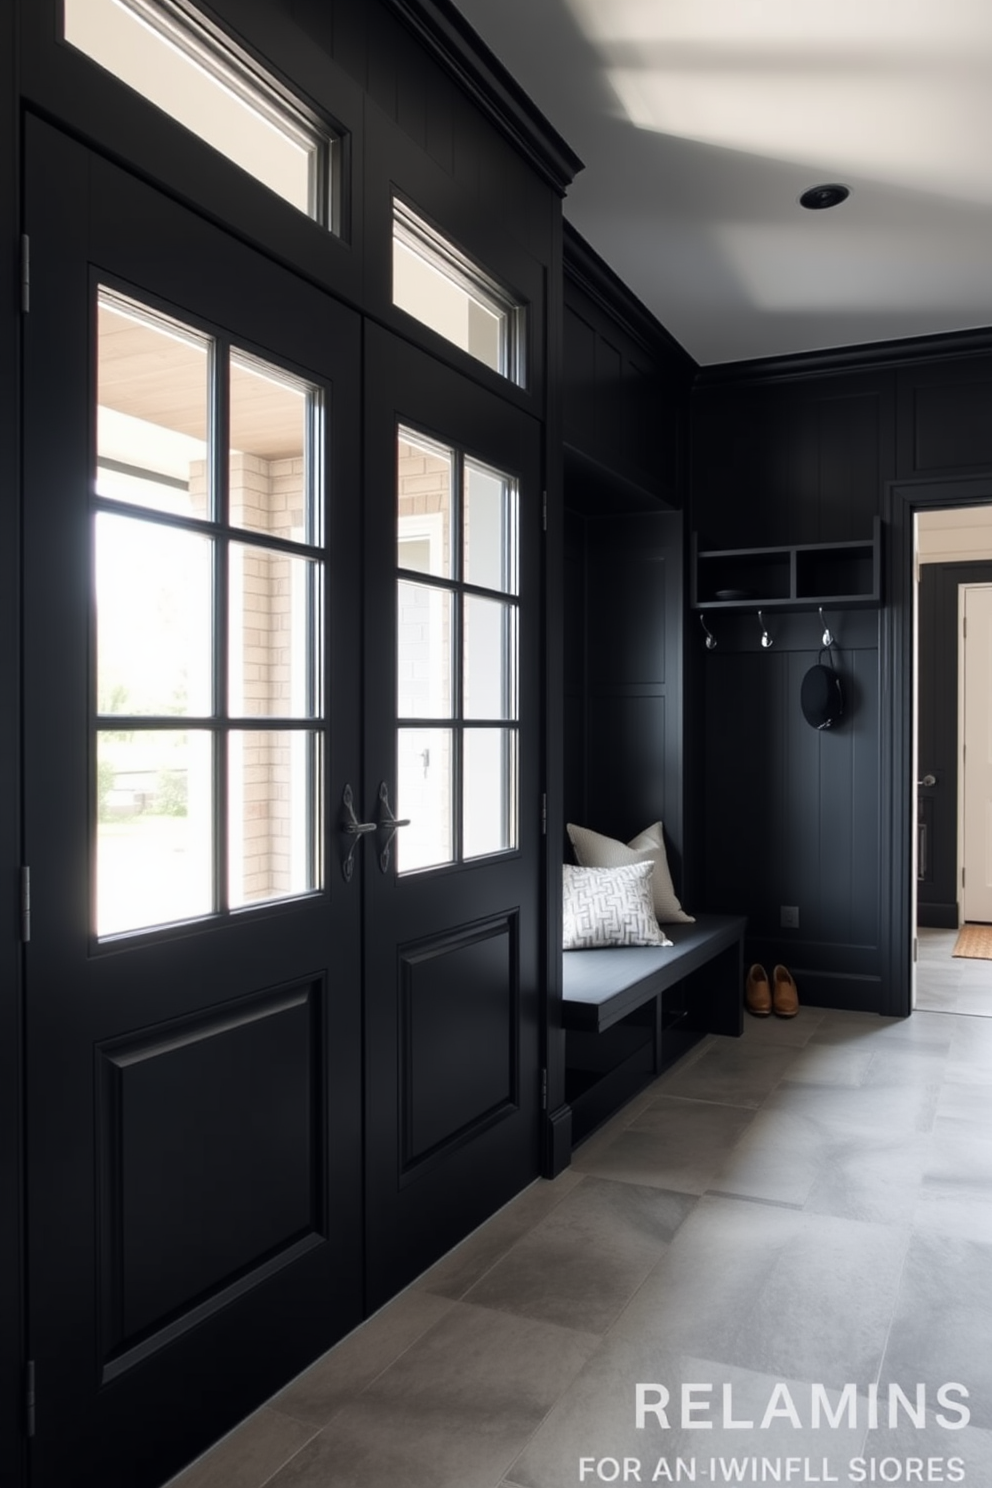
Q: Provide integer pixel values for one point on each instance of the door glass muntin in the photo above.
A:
(472, 808)
(195, 510)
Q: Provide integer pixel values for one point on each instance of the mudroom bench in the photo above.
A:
(629, 1011)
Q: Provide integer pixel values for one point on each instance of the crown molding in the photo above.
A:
(590, 273)
(872, 356)
(449, 38)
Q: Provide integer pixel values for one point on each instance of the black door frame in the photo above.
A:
(903, 499)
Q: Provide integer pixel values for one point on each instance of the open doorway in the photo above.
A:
(952, 882)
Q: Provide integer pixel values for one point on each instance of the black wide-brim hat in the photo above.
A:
(821, 697)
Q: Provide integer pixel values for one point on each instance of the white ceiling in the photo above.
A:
(701, 122)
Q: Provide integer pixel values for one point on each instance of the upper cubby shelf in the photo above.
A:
(801, 577)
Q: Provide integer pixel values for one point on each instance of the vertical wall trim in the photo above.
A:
(903, 499)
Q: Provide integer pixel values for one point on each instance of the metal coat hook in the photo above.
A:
(710, 637)
(766, 639)
(828, 639)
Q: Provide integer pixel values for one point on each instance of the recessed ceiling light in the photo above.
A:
(818, 197)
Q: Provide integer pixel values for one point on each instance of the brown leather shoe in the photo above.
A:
(785, 994)
(757, 992)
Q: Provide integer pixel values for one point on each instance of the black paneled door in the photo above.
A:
(193, 970)
(452, 710)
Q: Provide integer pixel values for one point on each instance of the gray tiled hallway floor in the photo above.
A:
(810, 1203)
(946, 983)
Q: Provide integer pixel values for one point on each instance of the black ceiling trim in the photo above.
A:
(594, 277)
(875, 355)
(445, 33)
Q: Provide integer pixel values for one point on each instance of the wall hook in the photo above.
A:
(710, 637)
(828, 639)
(766, 639)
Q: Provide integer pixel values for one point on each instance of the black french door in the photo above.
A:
(282, 816)
(191, 717)
(452, 741)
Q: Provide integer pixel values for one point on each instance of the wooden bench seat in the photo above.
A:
(621, 1029)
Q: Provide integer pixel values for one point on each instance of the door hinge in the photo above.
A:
(964, 626)
(544, 1090)
(916, 948)
(962, 878)
(25, 273)
(29, 1398)
(544, 816)
(544, 510)
(25, 904)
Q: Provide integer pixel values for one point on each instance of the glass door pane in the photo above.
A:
(194, 621)
(457, 655)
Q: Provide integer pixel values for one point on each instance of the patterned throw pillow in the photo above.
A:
(593, 850)
(609, 907)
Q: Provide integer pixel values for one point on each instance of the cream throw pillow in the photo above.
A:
(609, 907)
(593, 850)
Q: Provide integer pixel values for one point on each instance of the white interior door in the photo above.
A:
(976, 765)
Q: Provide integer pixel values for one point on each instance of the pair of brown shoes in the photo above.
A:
(780, 996)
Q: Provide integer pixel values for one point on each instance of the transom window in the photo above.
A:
(208, 587)
(457, 609)
(196, 74)
(443, 289)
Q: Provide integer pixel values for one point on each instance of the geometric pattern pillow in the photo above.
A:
(593, 850)
(609, 907)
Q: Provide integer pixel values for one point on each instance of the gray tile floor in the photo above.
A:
(946, 983)
(810, 1204)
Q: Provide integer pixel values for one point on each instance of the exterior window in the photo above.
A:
(208, 580)
(457, 655)
(451, 295)
(200, 78)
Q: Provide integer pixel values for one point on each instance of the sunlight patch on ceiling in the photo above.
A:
(899, 92)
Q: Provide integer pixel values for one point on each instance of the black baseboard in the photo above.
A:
(557, 1153)
(937, 916)
(842, 990)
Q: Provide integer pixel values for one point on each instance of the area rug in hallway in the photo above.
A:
(974, 941)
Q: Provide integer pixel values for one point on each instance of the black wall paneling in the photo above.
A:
(945, 417)
(937, 737)
(791, 463)
(12, 1336)
(626, 384)
(805, 450)
(789, 813)
(623, 742)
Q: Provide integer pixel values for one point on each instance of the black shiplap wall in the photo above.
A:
(801, 452)
(625, 387)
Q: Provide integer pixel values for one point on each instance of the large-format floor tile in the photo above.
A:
(250, 1455)
(339, 1375)
(729, 1416)
(776, 1160)
(706, 1283)
(733, 1072)
(583, 1264)
(463, 1266)
(453, 1412)
(969, 1445)
(943, 1320)
(670, 1143)
(878, 1180)
(955, 1197)
(824, 1309)
(793, 1032)
(830, 1064)
(869, 1109)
